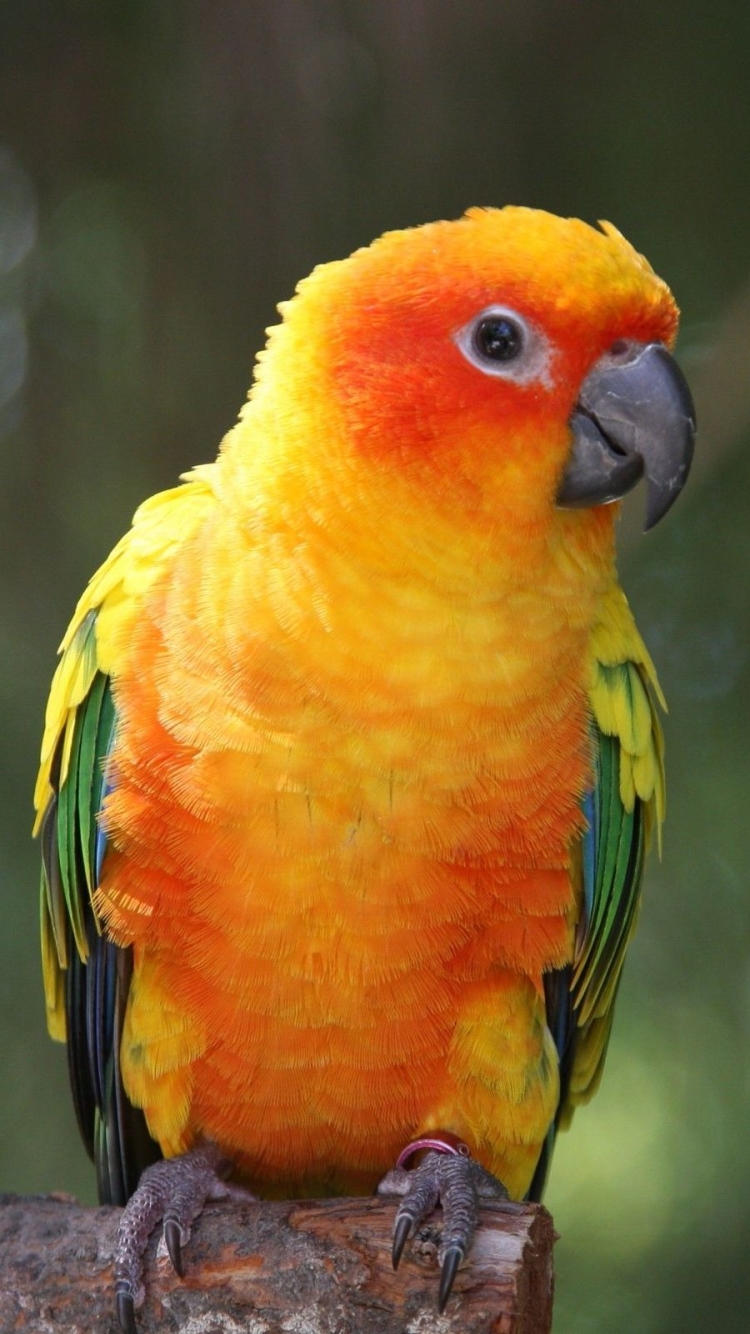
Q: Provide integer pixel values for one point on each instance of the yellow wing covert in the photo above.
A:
(80, 718)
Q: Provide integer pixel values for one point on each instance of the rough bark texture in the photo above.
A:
(275, 1268)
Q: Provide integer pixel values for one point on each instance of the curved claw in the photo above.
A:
(401, 1233)
(126, 1311)
(173, 1242)
(452, 1260)
(172, 1192)
(456, 1181)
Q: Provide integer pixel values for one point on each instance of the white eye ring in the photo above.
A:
(529, 358)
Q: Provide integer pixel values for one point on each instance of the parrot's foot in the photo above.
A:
(449, 1176)
(172, 1192)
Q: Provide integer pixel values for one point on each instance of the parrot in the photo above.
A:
(353, 752)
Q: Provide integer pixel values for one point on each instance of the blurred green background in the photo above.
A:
(167, 172)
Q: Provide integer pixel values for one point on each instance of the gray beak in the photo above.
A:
(635, 415)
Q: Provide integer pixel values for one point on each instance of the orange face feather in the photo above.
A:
(354, 717)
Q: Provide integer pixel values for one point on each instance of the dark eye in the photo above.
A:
(500, 342)
(498, 338)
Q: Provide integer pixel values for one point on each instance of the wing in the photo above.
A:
(622, 809)
(86, 976)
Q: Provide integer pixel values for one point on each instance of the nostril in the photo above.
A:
(620, 348)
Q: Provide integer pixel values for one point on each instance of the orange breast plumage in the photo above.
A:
(356, 688)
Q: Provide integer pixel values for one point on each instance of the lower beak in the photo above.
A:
(635, 415)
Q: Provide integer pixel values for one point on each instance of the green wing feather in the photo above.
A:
(87, 975)
(626, 803)
(623, 808)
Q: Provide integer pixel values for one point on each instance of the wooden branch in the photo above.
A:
(318, 1267)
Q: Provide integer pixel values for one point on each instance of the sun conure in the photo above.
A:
(352, 752)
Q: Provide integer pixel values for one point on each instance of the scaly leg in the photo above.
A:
(449, 1176)
(172, 1192)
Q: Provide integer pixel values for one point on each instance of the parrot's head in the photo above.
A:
(511, 363)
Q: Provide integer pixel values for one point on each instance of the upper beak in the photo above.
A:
(635, 414)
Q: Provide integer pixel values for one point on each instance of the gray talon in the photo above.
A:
(126, 1311)
(401, 1231)
(448, 1273)
(173, 1242)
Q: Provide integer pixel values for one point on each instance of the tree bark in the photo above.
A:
(316, 1267)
